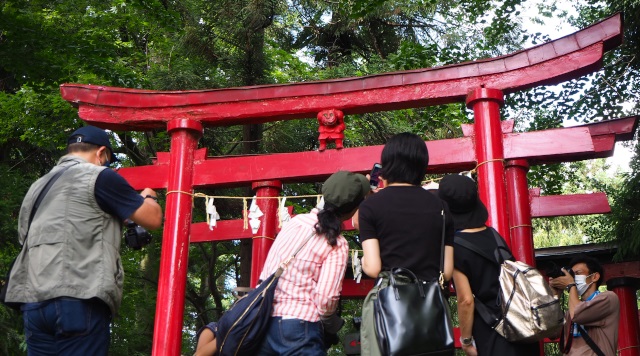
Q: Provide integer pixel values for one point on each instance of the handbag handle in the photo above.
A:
(403, 271)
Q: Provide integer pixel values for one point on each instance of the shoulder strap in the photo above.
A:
(566, 338)
(502, 252)
(470, 246)
(490, 318)
(42, 194)
(589, 341)
(286, 262)
(444, 223)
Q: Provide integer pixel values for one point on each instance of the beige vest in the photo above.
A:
(73, 247)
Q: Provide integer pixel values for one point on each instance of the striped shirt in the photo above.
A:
(310, 286)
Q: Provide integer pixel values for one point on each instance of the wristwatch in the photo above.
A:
(568, 287)
(151, 197)
(466, 341)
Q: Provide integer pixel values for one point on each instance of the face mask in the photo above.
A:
(581, 283)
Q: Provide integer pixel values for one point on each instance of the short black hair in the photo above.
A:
(592, 264)
(82, 147)
(404, 159)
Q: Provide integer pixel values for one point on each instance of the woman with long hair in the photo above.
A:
(308, 291)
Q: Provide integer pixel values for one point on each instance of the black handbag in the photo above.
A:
(412, 317)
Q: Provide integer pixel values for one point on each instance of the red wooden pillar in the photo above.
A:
(629, 330)
(167, 334)
(263, 239)
(486, 105)
(520, 215)
(520, 211)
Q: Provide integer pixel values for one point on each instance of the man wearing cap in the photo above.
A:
(307, 295)
(68, 276)
(473, 275)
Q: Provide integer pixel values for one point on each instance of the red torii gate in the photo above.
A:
(503, 157)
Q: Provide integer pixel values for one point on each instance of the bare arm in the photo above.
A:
(560, 283)
(206, 344)
(448, 263)
(371, 262)
(149, 214)
(465, 308)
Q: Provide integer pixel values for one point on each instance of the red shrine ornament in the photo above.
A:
(331, 128)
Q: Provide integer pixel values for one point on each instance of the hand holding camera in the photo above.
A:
(560, 278)
(135, 236)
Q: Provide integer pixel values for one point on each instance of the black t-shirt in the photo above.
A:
(482, 273)
(407, 221)
(483, 279)
(115, 196)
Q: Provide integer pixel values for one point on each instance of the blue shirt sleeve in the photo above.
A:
(115, 196)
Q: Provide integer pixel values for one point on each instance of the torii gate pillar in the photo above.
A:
(629, 330)
(174, 259)
(486, 104)
(520, 211)
(263, 240)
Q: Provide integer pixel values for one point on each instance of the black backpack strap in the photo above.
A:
(589, 341)
(490, 318)
(470, 246)
(502, 252)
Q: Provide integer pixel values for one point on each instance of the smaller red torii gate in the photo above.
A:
(501, 156)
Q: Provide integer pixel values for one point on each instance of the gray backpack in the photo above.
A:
(530, 311)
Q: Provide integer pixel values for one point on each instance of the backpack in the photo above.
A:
(530, 311)
(242, 328)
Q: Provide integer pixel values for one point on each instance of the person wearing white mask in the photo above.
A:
(591, 321)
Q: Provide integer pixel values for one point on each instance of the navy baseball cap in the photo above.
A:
(95, 136)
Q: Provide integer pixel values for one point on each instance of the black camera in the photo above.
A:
(555, 271)
(136, 236)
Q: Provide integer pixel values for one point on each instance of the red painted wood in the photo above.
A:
(628, 325)
(622, 269)
(486, 103)
(447, 156)
(172, 280)
(505, 125)
(550, 63)
(263, 240)
(623, 128)
(568, 205)
(519, 211)
(225, 230)
(353, 290)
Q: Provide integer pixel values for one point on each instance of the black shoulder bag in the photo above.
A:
(412, 317)
(242, 328)
(43, 192)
